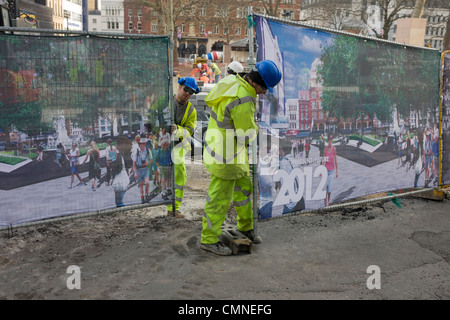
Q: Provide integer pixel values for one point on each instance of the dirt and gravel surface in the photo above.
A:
(144, 254)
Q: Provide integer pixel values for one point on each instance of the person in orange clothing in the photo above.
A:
(204, 78)
(194, 72)
(209, 74)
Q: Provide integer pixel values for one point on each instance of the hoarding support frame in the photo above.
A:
(251, 64)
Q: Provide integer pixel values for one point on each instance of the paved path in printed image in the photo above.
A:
(38, 171)
(355, 180)
(52, 198)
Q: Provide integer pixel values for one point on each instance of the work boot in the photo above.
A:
(252, 236)
(217, 248)
(178, 214)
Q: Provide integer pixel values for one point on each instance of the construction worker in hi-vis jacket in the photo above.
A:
(185, 117)
(231, 128)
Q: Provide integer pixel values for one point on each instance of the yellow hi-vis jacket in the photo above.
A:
(230, 129)
(186, 128)
(216, 69)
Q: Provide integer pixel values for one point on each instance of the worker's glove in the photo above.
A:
(173, 128)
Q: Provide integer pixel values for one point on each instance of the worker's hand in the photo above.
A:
(173, 128)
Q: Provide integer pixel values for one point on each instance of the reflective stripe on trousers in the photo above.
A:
(220, 194)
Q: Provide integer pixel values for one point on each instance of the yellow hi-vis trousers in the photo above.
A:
(220, 194)
(180, 177)
(180, 181)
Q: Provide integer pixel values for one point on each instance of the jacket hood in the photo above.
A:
(228, 87)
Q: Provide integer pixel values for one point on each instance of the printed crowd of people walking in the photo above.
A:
(142, 162)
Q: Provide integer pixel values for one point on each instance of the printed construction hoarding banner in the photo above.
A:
(72, 109)
(445, 126)
(351, 117)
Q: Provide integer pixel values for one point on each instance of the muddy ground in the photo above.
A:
(144, 254)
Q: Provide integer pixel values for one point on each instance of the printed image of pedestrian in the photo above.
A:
(141, 160)
(135, 145)
(332, 168)
(428, 155)
(93, 155)
(399, 149)
(163, 135)
(394, 141)
(435, 149)
(408, 151)
(420, 139)
(321, 146)
(111, 155)
(164, 163)
(123, 156)
(301, 148)
(294, 148)
(307, 148)
(74, 155)
(414, 151)
(60, 154)
(154, 172)
(40, 152)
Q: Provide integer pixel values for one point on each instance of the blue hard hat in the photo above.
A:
(190, 83)
(269, 72)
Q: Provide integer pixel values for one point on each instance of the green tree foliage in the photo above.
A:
(362, 77)
(85, 77)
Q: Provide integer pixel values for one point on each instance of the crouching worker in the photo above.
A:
(183, 128)
(231, 128)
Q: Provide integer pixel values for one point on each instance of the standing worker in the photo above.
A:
(216, 71)
(185, 119)
(230, 130)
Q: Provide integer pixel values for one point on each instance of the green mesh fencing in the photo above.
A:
(58, 94)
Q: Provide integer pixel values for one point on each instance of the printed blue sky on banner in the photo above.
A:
(299, 47)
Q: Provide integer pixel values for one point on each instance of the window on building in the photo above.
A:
(154, 27)
(241, 12)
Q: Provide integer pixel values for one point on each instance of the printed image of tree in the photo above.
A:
(369, 78)
(84, 79)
